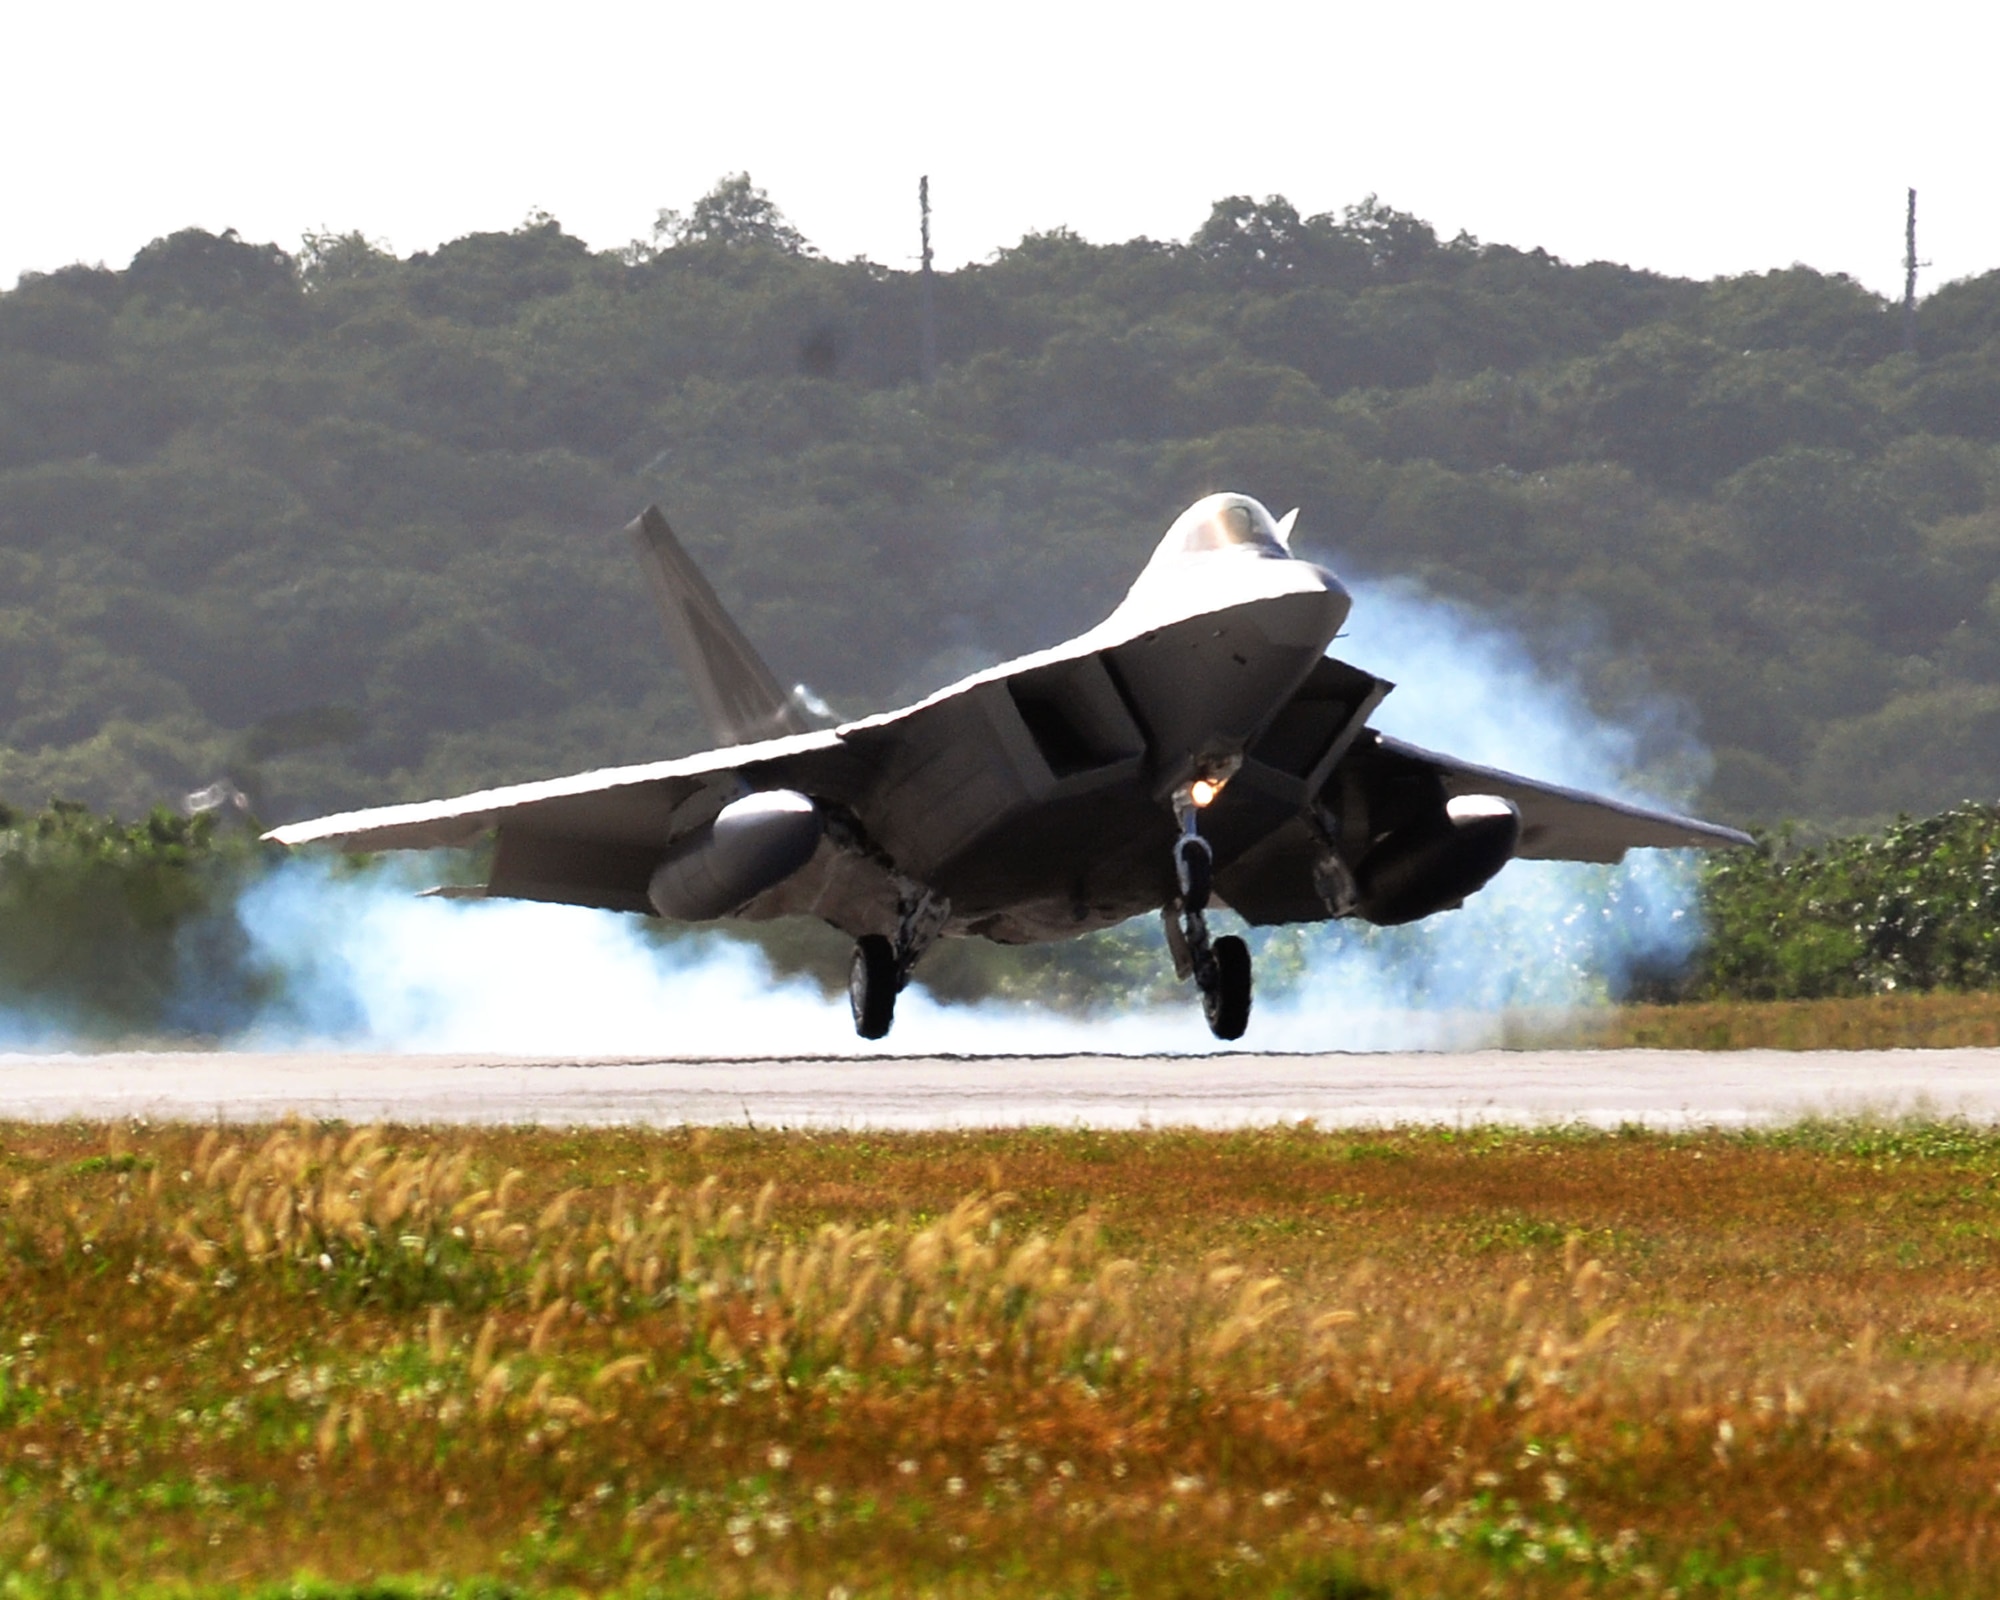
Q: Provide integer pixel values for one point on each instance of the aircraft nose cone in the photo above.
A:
(1338, 601)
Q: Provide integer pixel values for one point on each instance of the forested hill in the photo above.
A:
(344, 526)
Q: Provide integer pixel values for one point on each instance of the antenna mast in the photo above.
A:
(1910, 264)
(929, 305)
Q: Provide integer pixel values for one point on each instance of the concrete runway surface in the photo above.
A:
(1661, 1088)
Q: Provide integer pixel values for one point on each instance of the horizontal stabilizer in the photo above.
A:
(738, 696)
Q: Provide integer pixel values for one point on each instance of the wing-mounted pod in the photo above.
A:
(738, 696)
(754, 844)
(1432, 863)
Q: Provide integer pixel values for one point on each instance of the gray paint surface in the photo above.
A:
(1661, 1088)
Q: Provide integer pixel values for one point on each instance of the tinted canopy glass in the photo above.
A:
(1224, 522)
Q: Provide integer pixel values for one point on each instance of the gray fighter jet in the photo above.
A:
(1198, 745)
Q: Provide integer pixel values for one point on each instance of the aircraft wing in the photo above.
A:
(601, 796)
(591, 838)
(1560, 824)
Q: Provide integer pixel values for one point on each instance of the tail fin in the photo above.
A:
(735, 690)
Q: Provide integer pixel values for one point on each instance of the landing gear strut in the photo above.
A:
(1220, 967)
(882, 965)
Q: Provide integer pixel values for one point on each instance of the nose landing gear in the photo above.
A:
(1220, 967)
(882, 965)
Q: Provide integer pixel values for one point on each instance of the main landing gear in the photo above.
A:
(882, 965)
(1220, 967)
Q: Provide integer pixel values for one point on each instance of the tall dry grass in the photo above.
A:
(1258, 1364)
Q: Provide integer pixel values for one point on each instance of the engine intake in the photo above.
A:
(753, 844)
(1432, 866)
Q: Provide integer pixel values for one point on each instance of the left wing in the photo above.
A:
(1379, 785)
(1560, 824)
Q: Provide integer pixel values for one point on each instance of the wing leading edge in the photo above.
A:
(608, 798)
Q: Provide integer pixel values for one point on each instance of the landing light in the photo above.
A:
(1203, 790)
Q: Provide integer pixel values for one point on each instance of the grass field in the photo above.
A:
(1930, 1021)
(743, 1363)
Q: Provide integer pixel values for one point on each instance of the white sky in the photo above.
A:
(1693, 137)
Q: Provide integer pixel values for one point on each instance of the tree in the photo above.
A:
(326, 257)
(211, 270)
(736, 215)
(1255, 243)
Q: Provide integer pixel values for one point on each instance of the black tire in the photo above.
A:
(871, 985)
(1194, 866)
(1226, 1002)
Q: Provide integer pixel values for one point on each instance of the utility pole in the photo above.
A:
(1910, 278)
(928, 308)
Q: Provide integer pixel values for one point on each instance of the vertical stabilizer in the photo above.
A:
(735, 690)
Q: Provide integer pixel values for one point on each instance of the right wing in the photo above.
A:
(592, 838)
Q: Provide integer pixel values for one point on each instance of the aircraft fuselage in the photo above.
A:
(1060, 818)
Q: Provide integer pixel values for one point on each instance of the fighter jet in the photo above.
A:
(1197, 747)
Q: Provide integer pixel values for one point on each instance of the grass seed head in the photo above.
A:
(326, 1438)
(492, 1388)
(482, 1349)
(618, 1371)
(545, 1325)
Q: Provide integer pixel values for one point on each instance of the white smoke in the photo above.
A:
(1547, 936)
(359, 962)
(366, 964)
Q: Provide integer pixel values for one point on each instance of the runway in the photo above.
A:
(1658, 1088)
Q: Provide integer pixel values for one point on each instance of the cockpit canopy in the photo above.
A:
(1224, 522)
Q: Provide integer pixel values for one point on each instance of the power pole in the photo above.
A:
(1910, 278)
(928, 309)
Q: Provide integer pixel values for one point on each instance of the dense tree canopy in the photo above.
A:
(342, 525)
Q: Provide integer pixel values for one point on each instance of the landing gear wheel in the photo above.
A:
(872, 984)
(1225, 1001)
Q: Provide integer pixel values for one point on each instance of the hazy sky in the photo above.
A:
(1693, 138)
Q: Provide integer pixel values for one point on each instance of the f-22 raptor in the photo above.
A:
(1197, 746)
